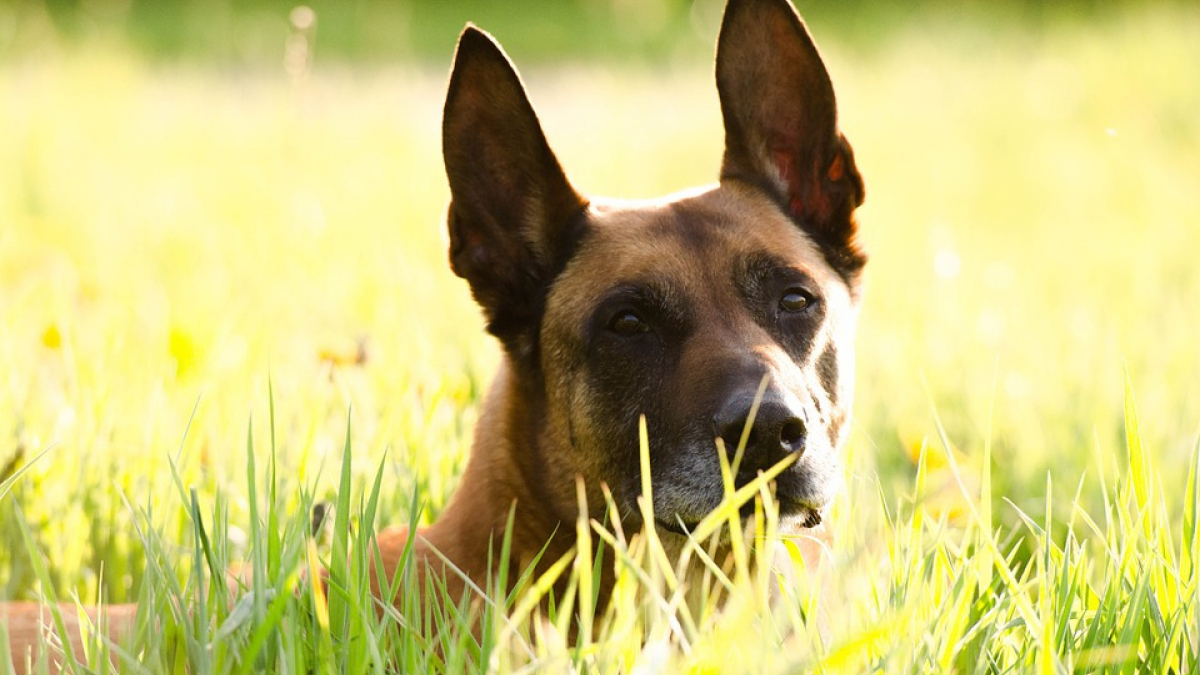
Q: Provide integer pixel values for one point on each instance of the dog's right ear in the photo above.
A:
(513, 213)
(781, 124)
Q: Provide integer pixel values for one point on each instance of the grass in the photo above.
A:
(203, 273)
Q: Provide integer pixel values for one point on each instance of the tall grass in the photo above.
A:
(171, 238)
(1117, 594)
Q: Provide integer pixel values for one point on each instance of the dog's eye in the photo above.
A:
(627, 324)
(795, 300)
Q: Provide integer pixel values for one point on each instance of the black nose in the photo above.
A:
(778, 431)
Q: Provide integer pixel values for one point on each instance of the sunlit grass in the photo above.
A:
(171, 239)
(1117, 594)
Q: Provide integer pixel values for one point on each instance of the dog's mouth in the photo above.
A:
(805, 516)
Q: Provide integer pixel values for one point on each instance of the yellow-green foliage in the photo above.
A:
(175, 240)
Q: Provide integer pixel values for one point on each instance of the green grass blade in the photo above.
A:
(1190, 542)
(1133, 443)
(339, 577)
(15, 474)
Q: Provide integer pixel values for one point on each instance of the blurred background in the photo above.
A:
(250, 32)
(207, 204)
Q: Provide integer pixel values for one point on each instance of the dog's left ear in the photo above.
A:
(512, 209)
(781, 124)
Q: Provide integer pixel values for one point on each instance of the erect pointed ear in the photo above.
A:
(513, 215)
(781, 124)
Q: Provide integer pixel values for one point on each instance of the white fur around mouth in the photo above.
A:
(805, 518)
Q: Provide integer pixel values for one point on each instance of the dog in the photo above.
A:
(688, 311)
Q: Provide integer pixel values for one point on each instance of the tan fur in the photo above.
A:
(29, 626)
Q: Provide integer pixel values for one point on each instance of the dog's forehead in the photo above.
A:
(694, 239)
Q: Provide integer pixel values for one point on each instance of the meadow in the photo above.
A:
(224, 297)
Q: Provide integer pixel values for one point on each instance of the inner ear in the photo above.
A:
(776, 96)
(780, 118)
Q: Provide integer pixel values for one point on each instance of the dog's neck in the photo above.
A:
(505, 474)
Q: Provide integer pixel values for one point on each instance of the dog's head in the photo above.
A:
(676, 309)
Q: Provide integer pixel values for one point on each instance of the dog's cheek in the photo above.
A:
(615, 388)
(569, 404)
(833, 371)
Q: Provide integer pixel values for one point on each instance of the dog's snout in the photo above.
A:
(777, 431)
